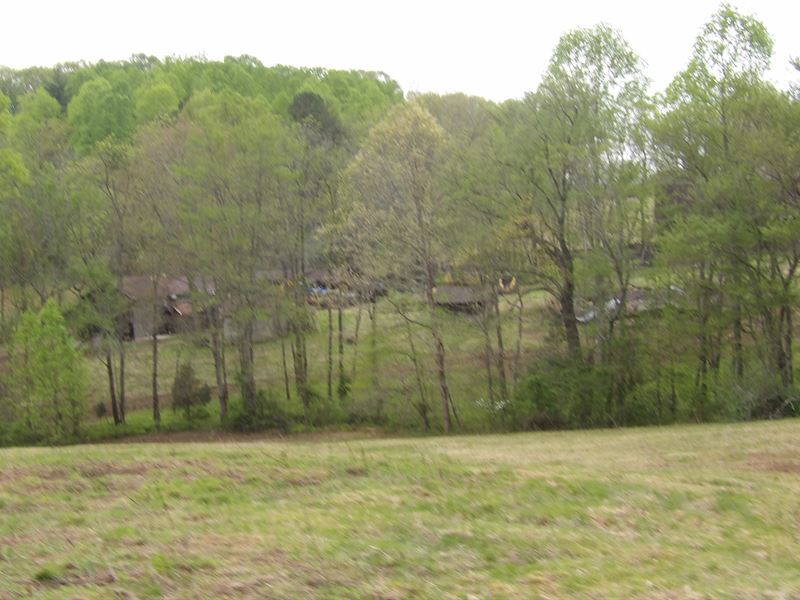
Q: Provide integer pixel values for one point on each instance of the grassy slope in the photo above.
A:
(675, 512)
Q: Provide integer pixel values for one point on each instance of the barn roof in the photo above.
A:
(460, 295)
(140, 287)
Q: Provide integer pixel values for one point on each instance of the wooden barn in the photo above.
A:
(174, 306)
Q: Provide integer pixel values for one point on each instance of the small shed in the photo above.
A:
(461, 298)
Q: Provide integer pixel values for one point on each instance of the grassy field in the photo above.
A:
(678, 512)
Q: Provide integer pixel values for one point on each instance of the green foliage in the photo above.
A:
(188, 394)
(47, 574)
(13, 173)
(266, 415)
(562, 393)
(100, 111)
(394, 180)
(158, 102)
(659, 239)
(100, 410)
(47, 379)
(732, 45)
(311, 109)
(100, 303)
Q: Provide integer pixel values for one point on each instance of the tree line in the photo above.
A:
(661, 230)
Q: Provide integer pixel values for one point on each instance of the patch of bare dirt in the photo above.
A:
(357, 471)
(15, 540)
(308, 480)
(773, 463)
(294, 578)
(93, 470)
(14, 474)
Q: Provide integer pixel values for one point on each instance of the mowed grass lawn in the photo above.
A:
(679, 512)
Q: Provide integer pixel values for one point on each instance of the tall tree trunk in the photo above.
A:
(500, 355)
(22, 300)
(738, 352)
(439, 353)
(487, 353)
(373, 359)
(568, 318)
(518, 351)
(225, 395)
(112, 387)
(787, 375)
(298, 345)
(422, 405)
(304, 357)
(246, 367)
(300, 377)
(355, 343)
(154, 383)
(122, 381)
(154, 338)
(330, 351)
(295, 361)
(220, 375)
(659, 401)
(303, 348)
(701, 380)
(776, 335)
(285, 371)
(673, 395)
(342, 387)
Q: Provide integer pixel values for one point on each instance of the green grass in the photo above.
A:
(678, 512)
(140, 422)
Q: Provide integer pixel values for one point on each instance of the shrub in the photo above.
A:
(47, 379)
(100, 410)
(344, 386)
(47, 574)
(188, 394)
(761, 395)
(267, 414)
(536, 405)
(562, 393)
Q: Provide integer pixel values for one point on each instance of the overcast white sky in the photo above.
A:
(496, 49)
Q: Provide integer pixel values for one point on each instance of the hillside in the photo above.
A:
(678, 512)
(249, 207)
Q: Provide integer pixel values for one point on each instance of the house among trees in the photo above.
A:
(174, 312)
(637, 300)
(324, 287)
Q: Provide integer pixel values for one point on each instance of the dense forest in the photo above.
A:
(233, 205)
